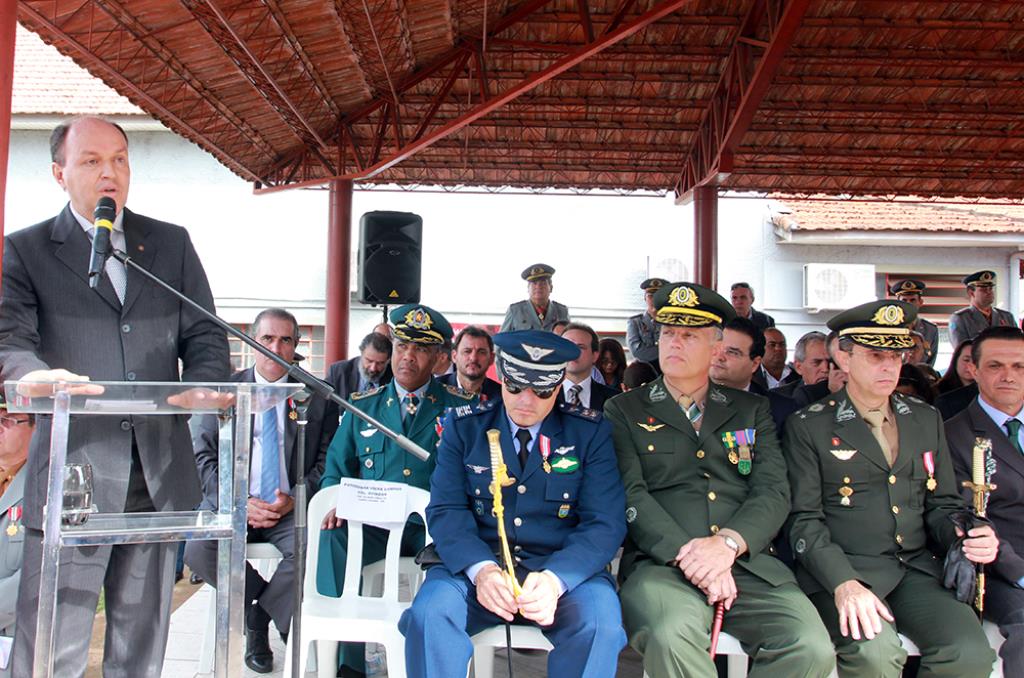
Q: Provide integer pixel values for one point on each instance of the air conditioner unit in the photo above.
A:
(838, 286)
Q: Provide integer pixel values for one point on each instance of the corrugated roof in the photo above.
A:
(49, 83)
(822, 214)
(914, 97)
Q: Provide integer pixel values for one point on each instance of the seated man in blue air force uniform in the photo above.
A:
(413, 403)
(563, 514)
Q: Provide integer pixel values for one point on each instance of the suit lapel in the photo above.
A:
(984, 427)
(852, 429)
(291, 435)
(906, 429)
(664, 408)
(717, 411)
(550, 428)
(142, 249)
(391, 414)
(74, 250)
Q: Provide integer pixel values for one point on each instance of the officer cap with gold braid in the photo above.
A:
(980, 279)
(883, 324)
(419, 324)
(907, 286)
(691, 305)
(652, 285)
(538, 272)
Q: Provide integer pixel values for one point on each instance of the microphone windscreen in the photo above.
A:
(106, 211)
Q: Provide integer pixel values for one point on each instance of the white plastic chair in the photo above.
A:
(353, 617)
(373, 577)
(264, 557)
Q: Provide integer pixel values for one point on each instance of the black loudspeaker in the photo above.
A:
(390, 248)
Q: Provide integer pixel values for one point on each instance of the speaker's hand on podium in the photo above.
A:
(202, 399)
(48, 382)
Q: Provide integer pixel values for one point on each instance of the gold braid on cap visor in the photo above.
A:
(424, 336)
(686, 317)
(877, 337)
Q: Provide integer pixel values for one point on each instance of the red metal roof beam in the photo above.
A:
(739, 92)
(556, 68)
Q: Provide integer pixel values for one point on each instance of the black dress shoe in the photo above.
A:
(258, 655)
(195, 579)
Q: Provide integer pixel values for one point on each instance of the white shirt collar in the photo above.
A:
(997, 415)
(87, 225)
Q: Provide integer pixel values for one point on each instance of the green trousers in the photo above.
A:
(330, 572)
(668, 621)
(948, 633)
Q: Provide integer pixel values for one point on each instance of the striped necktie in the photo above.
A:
(692, 410)
(270, 469)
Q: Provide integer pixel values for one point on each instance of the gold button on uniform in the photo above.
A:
(650, 448)
(892, 480)
(712, 496)
(895, 509)
(406, 472)
(700, 454)
(714, 529)
(899, 538)
(846, 479)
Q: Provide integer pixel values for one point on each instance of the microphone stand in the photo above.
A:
(301, 401)
(315, 386)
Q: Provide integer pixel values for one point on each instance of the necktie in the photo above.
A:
(692, 410)
(412, 403)
(875, 419)
(114, 268)
(524, 438)
(574, 394)
(1013, 428)
(270, 470)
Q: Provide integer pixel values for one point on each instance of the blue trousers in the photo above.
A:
(587, 632)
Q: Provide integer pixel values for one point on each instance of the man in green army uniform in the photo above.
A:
(413, 403)
(873, 488)
(706, 492)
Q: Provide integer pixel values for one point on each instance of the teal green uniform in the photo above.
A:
(855, 517)
(681, 485)
(361, 451)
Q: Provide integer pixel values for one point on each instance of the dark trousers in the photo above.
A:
(277, 596)
(951, 640)
(586, 635)
(1004, 605)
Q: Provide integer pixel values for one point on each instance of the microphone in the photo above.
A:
(103, 221)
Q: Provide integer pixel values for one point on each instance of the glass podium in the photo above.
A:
(77, 523)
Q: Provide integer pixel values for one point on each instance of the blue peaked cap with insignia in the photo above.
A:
(534, 359)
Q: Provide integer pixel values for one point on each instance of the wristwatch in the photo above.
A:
(730, 542)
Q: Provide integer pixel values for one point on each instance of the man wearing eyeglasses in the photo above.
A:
(706, 493)
(873, 490)
(563, 515)
(15, 433)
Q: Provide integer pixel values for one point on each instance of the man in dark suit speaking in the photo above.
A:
(53, 327)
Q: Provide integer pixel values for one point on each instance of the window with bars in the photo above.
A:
(311, 345)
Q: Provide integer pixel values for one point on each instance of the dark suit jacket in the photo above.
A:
(781, 406)
(51, 318)
(599, 394)
(491, 389)
(805, 394)
(344, 376)
(322, 422)
(762, 320)
(789, 388)
(956, 401)
(1006, 503)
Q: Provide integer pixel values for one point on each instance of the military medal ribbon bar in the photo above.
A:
(929, 466)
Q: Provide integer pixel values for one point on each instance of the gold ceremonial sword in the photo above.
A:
(500, 479)
(980, 487)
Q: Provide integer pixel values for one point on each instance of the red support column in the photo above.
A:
(339, 253)
(8, 15)
(705, 235)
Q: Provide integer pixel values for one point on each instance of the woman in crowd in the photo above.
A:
(960, 371)
(611, 362)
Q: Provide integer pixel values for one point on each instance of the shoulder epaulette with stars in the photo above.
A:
(458, 392)
(365, 394)
(581, 412)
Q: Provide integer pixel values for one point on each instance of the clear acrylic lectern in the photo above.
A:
(235, 403)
